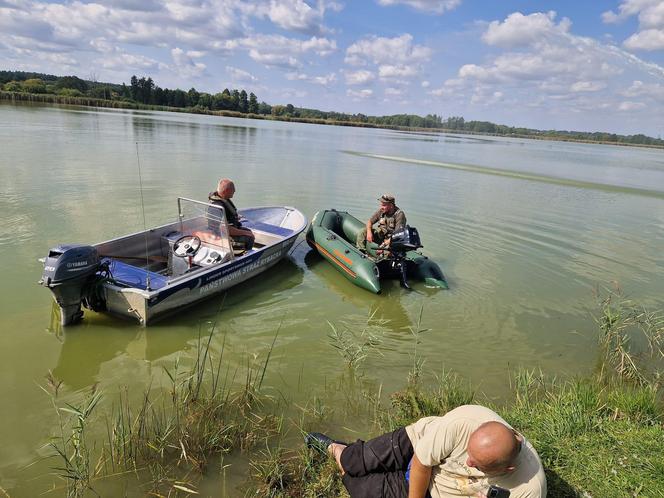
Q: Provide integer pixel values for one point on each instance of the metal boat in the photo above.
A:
(155, 272)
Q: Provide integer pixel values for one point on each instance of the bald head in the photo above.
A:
(493, 448)
(225, 188)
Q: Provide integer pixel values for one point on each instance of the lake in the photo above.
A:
(524, 230)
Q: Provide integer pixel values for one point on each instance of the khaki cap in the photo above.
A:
(387, 199)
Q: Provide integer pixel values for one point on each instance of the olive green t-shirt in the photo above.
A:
(388, 223)
(441, 442)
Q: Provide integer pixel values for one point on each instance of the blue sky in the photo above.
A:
(592, 66)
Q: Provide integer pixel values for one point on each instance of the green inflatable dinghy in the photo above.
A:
(333, 234)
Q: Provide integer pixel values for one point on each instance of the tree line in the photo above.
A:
(144, 91)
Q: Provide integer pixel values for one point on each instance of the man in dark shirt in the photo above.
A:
(242, 238)
(382, 224)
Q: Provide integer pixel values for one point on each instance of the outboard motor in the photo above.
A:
(69, 272)
(403, 240)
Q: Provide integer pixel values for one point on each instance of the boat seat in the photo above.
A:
(267, 227)
(133, 276)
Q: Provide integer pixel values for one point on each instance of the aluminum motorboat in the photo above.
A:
(148, 274)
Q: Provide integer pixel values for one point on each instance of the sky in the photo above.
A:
(573, 65)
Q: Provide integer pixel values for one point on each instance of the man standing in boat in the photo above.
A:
(242, 238)
(388, 219)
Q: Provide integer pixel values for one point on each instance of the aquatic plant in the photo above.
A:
(631, 339)
(355, 347)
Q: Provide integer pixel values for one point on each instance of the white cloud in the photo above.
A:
(587, 86)
(650, 35)
(297, 15)
(538, 64)
(388, 71)
(360, 77)
(280, 51)
(519, 30)
(638, 89)
(649, 39)
(434, 6)
(380, 50)
(394, 92)
(124, 61)
(359, 94)
(394, 59)
(325, 80)
(184, 64)
(631, 106)
(240, 75)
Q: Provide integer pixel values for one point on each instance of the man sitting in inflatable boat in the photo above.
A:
(382, 224)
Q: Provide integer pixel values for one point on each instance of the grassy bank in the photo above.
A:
(600, 436)
(123, 104)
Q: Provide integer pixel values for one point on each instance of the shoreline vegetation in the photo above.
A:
(144, 94)
(597, 436)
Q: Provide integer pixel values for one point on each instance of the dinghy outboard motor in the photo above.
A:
(70, 272)
(403, 240)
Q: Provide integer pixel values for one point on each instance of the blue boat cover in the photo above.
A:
(132, 276)
(266, 227)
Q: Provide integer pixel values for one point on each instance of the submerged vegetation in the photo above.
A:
(144, 93)
(596, 436)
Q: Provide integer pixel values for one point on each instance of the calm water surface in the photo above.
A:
(524, 230)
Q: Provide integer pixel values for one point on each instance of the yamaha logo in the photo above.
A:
(77, 264)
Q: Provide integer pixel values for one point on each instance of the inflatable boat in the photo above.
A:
(333, 234)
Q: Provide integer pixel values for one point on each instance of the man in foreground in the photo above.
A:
(242, 238)
(388, 219)
(462, 453)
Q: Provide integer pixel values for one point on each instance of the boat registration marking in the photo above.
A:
(241, 271)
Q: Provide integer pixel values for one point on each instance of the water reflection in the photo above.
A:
(100, 338)
(85, 347)
(385, 310)
(265, 293)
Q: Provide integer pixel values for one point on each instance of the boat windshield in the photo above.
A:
(206, 221)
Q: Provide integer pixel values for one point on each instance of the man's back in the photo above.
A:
(442, 442)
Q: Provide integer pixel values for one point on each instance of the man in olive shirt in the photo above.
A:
(242, 238)
(460, 454)
(388, 219)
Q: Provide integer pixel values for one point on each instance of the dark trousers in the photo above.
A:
(377, 468)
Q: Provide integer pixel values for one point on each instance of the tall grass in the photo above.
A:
(631, 340)
(170, 436)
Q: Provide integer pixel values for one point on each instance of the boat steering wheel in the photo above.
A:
(187, 246)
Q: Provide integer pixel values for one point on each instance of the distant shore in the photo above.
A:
(48, 98)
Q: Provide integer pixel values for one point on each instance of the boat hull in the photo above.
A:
(149, 306)
(333, 233)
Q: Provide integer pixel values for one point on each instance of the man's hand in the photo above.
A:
(420, 475)
(369, 236)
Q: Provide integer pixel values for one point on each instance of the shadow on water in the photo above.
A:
(385, 308)
(264, 291)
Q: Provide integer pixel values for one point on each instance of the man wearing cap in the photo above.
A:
(388, 219)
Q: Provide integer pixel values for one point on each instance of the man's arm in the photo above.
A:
(233, 231)
(374, 218)
(420, 475)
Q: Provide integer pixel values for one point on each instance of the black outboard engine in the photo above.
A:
(69, 272)
(403, 240)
